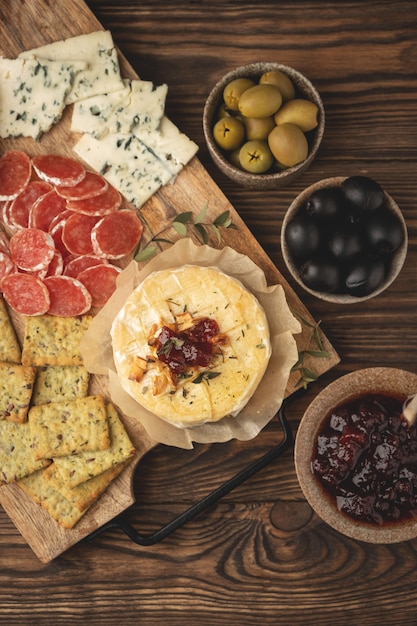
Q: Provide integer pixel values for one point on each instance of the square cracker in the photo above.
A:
(10, 350)
(16, 387)
(16, 454)
(57, 383)
(54, 340)
(78, 468)
(63, 428)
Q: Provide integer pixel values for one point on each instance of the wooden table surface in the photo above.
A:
(259, 555)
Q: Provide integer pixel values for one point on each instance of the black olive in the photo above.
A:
(345, 242)
(327, 203)
(302, 236)
(363, 192)
(321, 273)
(364, 276)
(384, 231)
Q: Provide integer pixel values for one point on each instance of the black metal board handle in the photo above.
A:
(211, 498)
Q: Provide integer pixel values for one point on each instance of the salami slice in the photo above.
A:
(45, 209)
(116, 235)
(68, 296)
(76, 234)
(107, 202)
(32, 249)
(20, 207)
(100, 280)
(77, 264)
(15, 172)
(6, 265)
(56, 231)
(56, 266)
(58, 170)
(26, 293)
(4, 242)
(92, 185)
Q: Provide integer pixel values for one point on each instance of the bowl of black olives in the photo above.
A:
(263, 124)
(344, 240)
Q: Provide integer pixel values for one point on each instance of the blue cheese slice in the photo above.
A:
(33, 94)
(139, 104)
(97, 50)
(126, 163)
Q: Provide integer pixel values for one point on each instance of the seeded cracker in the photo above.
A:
(16, 386)
(54, 340)
(78, 468)
(10, 351)
(59, 508)
(57, 383)
(63, 428)
(85, 494)
(16, 454)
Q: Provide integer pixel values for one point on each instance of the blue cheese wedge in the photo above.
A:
(33, 93)
(139, 104)
(96, 50)
(126, 163)
(230, 380)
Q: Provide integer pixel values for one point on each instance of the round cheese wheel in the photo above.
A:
(176, 298)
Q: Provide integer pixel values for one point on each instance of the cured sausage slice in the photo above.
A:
(20, 207)
(45, 209)
(100, 280)
(92, 185)
(4, 242)
(26, 294)
(76, 233)
(6, 265)
(107, 202)
(32, 249)
(68, 296)
(58, 170)
(56, 266)
(77, 264)
(117, 234)
(15, 172)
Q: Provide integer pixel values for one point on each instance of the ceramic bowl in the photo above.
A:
(397, 258)
(278, 179)
(379, 379)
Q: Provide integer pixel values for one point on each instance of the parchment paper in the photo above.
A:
(97, 350)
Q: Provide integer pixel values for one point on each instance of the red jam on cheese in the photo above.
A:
(366, 459)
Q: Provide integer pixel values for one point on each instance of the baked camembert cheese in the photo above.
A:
(191, 344)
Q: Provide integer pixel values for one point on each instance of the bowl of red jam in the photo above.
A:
(356, 455)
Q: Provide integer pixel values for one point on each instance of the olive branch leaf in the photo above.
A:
(181, 224)
(306, 374)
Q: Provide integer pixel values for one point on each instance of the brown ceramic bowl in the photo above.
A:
(397, 260)
(379, 379)
(276, 180)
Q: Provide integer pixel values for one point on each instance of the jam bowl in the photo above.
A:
(292, 86)
(344, 239)
(356, 456)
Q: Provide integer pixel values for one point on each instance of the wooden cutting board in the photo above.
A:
(31, 23)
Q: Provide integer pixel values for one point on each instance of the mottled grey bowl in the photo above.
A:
(376, 379)
(397, 260)
(261, 181)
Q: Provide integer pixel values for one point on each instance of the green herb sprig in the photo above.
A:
(314, 348)
(181, 224)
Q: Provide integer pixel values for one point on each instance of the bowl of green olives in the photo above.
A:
(344, 239)
(263, 124)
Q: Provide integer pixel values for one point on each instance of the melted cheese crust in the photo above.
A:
(203, 292)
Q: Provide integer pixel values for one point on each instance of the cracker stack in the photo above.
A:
(61, 445)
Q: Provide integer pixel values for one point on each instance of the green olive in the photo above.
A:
(256, 157)
(234, 158)
(288, 144)
(301, 112)
(280, 80)
(260, 101)
(228, 133)
(222, 111)
(258, 127)
(234, 90)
